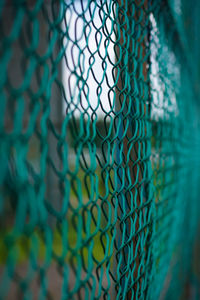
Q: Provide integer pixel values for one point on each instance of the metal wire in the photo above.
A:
(99, 148)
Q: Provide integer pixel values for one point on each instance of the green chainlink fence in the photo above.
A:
(99, 149)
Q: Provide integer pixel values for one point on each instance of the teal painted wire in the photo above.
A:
(99, 148)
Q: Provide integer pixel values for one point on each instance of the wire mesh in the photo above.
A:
(99, 148)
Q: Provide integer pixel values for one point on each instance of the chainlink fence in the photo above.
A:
(99, 149)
